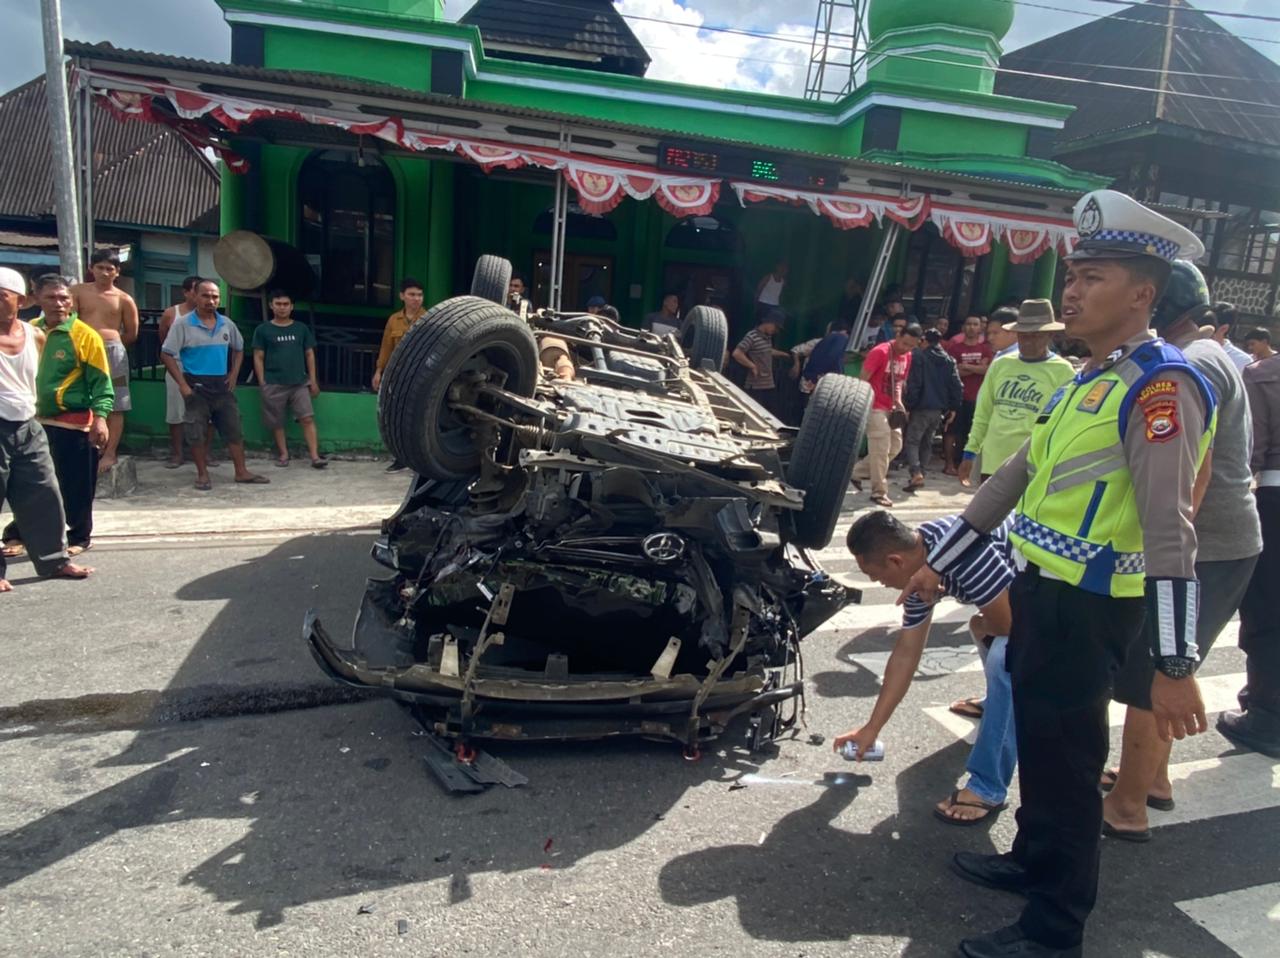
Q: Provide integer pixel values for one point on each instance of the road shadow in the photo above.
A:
(811, 880)
(337, 801)
(855, 679)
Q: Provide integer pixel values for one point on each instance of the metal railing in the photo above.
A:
(345, 358)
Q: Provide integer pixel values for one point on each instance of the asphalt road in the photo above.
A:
(179, 778)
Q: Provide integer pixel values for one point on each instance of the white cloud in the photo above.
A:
(194, 28)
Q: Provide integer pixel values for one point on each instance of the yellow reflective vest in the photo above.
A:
(1078, 518)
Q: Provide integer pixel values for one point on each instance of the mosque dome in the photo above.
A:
(989, 16)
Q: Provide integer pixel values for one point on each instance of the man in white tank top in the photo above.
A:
(769, 291)
(27, 479)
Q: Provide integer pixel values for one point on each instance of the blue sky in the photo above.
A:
(194, 28)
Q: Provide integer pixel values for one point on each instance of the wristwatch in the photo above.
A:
(1176, 666)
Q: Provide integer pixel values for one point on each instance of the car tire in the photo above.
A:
(417, 425)
(824, 454)
(492, 279)
(707, 332)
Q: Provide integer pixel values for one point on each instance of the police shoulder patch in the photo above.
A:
(1161, 389)
(1161, 419)
(1096, 396)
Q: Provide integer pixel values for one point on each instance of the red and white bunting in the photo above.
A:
(1028, 238)
(491, 157)
(846, 211)
(600, 184)
(971, 234)
(684, 196)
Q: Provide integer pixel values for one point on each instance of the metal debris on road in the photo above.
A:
(816, 738)
(402, 926)
(364, 910)
(469, 777)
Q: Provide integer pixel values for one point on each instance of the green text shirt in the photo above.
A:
(284, 352)
(1012, 396)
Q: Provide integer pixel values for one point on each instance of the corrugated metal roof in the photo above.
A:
(590, 27)
(144, 174)
(1128, 49)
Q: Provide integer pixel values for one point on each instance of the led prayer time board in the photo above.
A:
(756, 167)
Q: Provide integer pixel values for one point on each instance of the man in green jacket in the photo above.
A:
(1016, 389)
(74, 397)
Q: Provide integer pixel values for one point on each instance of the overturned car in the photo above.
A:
(604, 535)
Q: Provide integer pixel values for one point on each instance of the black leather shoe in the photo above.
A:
(991, 871)
(1012, 943)
(1255, 729)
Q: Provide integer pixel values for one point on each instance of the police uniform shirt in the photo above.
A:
(1162, 450)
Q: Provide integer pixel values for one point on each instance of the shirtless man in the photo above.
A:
(114, 314)
(175, 409)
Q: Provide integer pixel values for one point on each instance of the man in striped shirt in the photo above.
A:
(889, 552)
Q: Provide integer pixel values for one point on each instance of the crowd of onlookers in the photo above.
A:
(64, 389)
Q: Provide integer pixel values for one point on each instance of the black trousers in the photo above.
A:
(76, 463)
(1064, 648)
(1259, 624)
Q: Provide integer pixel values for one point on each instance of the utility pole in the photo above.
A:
(63, 156)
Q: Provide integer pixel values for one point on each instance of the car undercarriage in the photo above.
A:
(617, 547)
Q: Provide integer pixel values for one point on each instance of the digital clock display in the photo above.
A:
(757, 167)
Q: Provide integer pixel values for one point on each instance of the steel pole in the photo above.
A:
(86, 164)
(62, 159)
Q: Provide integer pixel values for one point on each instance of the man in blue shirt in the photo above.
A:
(203, 353)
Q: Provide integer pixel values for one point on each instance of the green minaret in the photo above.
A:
(943, 44)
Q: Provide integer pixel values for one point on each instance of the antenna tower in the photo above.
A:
(839, 49)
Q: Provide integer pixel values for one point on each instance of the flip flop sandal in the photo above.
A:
(74, 551)
(882, 501)
(954, 802)
(255, 481)
(74, 576)
(1153, 801)
(12, 549)
(203, 486)
(319, 463)
(969, 708)
(1125, 834)
(282, 463)
(173, 465)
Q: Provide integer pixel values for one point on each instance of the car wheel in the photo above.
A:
(706, 330)
(824, 455)
(492, 279)
(461, 341)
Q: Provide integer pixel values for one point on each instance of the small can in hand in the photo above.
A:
(875, 754)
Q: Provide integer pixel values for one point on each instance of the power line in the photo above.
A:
(1213, 13)
(1043, 76)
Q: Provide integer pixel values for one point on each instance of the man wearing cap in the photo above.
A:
(74, 397)
(28, 479)
(1102, 494)
(595, 304)
(1017, 387)
(1228, 540)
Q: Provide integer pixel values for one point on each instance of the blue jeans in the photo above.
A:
(995, 752)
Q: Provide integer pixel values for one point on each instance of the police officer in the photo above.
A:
(1102, 494)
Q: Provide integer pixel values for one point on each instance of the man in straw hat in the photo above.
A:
(1016, 389)
(1102, 494)
(27, 476)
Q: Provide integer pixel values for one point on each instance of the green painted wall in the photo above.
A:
(346, 422)
(382, 61)
(931, 133)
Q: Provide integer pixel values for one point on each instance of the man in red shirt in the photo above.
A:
(885, 369)
(973, 356)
